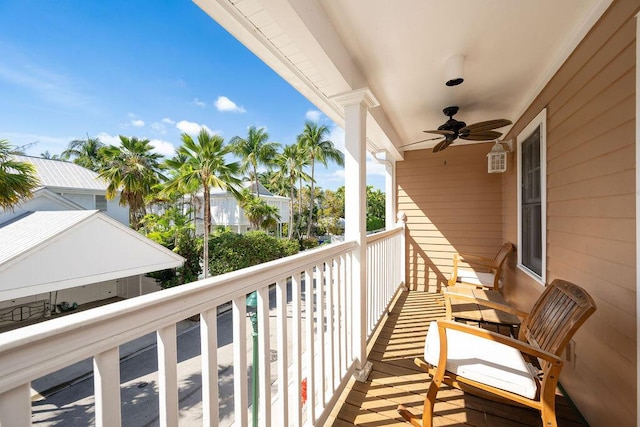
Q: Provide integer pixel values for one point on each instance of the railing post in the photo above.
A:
(168, 375)
(15, 406)
(209, 351)
(402, 222)
(355, 104)
(106, 373)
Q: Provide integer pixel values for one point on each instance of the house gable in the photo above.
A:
(59, 250)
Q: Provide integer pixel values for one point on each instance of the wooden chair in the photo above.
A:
(483, 272)
(521, 371)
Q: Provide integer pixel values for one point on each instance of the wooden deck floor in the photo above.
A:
(396, 380)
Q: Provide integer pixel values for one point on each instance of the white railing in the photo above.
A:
(385, 272)
(309, 297)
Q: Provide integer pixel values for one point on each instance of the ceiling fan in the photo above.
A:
(453, 129)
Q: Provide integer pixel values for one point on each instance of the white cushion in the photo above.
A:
(482, 360)
(475, 278)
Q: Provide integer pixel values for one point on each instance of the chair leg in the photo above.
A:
(429, 402)
(548, 410)
(548, 417)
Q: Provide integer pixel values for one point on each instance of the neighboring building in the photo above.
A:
(67, 186)
(226, 211)
(68, 244)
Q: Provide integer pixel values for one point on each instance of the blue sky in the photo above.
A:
(151, 69)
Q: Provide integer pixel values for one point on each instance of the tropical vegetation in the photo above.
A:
(18, 179)
(165, 196)
(132, 170)
(231, 251)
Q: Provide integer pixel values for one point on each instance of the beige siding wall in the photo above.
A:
(452, 205)
(591, 211)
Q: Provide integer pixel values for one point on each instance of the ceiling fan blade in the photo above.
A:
(418, 142)
(485, 126)
(482, 136)
(442, 145)
(441, 132)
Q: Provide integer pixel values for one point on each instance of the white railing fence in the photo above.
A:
(385, 273)
(303, 314)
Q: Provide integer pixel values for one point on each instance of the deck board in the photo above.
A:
(396, 380)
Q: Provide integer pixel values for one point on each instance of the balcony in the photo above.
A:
(396, 380)
(310, 321)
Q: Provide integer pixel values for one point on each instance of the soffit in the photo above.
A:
(399, 50)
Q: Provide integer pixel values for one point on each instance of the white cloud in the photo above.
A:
(162, 147)
(159, 128)
(313, 115)
(336, 135)
(199, 103)
(168, 120)
(137, 123)
(192, 128)
(109, 139)
(375, 168)
(225, 104)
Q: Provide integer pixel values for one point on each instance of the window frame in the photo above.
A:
(539, 121)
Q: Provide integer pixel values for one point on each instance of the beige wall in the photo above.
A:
(591, 211)
(452, 205)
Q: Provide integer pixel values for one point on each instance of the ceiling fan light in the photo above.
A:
(497, 159)
(454, 68)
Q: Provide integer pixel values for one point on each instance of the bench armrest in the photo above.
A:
(475, 259)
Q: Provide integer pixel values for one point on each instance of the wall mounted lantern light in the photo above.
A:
(497, 157)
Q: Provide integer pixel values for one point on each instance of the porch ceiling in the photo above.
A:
(399, 51)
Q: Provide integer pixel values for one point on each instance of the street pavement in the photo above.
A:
(66, 398)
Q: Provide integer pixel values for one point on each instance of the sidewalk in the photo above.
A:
(65, 377)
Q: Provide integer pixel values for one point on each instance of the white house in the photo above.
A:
(67, 186)
(69, 244)
(225, 210)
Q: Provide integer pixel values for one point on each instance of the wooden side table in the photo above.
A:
(466, 307)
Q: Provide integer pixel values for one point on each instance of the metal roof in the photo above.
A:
(29, 230)
(61, 174)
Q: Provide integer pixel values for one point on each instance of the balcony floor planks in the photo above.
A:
(395, 379)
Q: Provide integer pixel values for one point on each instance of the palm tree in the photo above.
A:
(291, 161)
(260, 214)
(134, 169)
(49, 156)
(254, 151)
(17, 179)
(203, 163)
(85, 152)
(320, 150)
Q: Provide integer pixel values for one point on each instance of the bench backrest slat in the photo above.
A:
(561, 309)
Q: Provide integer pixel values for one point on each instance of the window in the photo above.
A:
(101, 203)
(532, 198)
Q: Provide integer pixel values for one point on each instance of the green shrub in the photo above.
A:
(230, 251)
(309, 243)
(185, 244)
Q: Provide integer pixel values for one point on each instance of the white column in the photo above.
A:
(355, 105)
(402, 222)
(390, 193)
